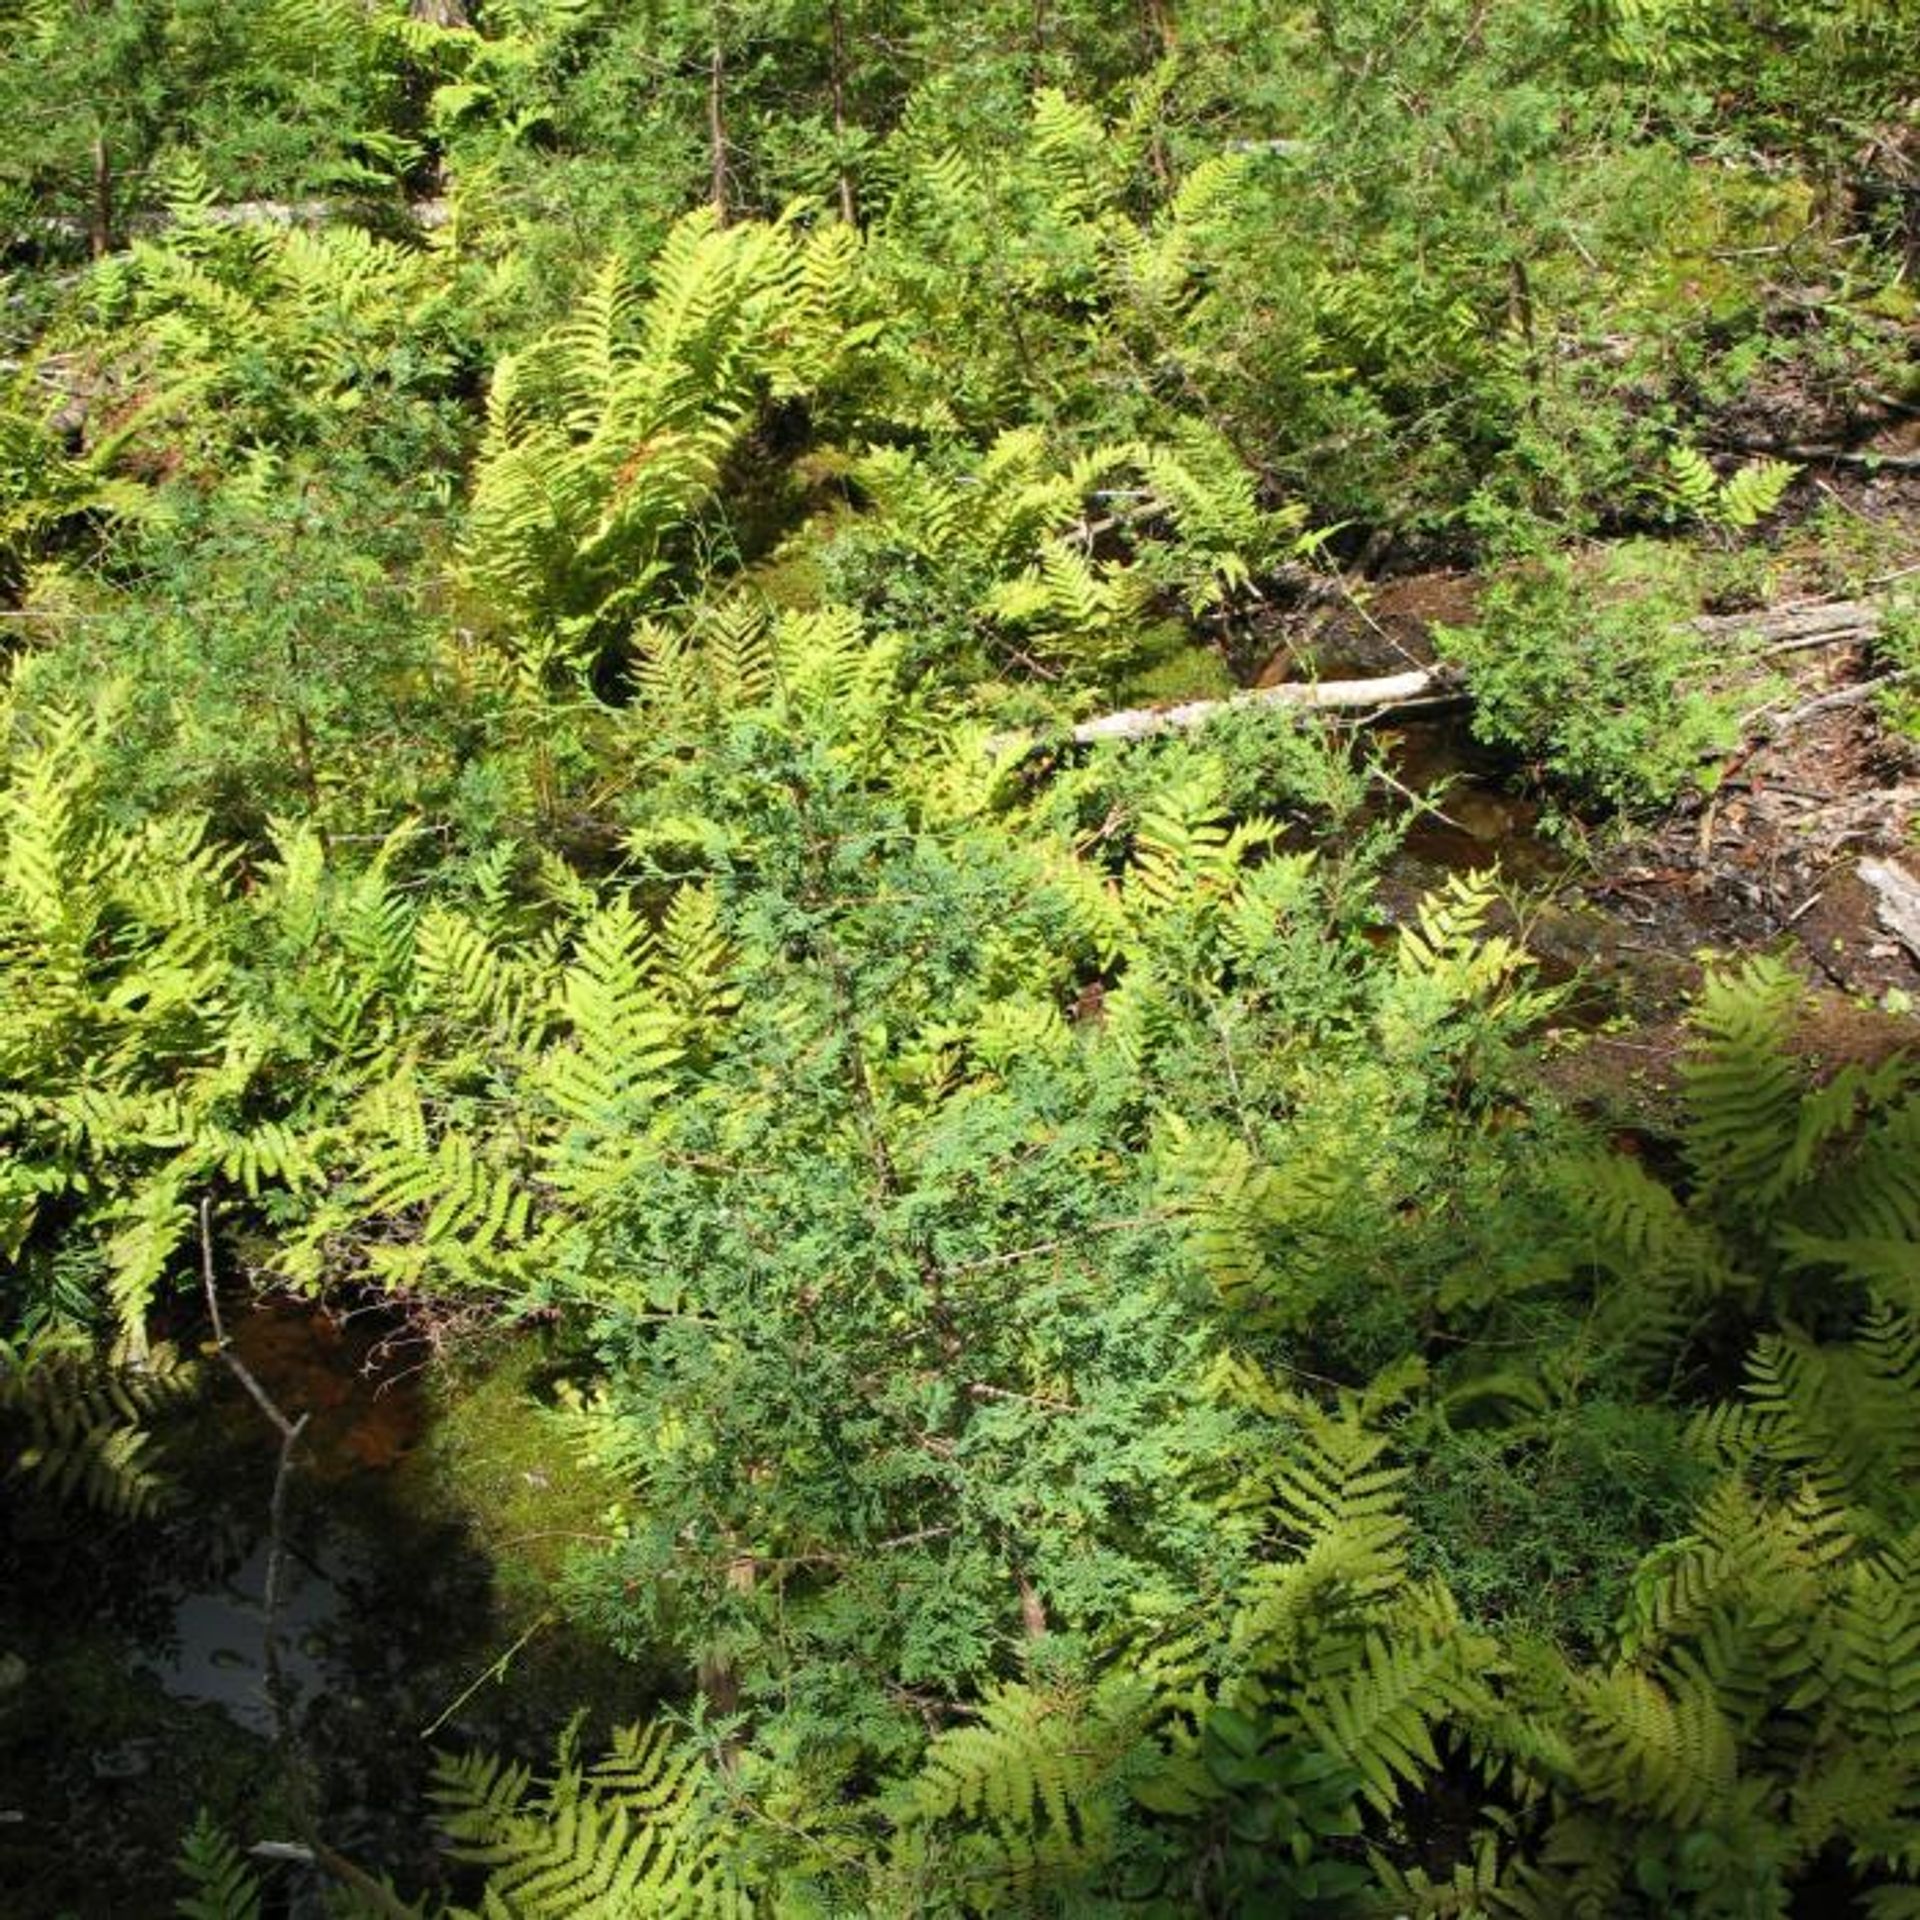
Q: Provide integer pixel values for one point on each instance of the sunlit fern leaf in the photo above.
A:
(606, 437)
(1654, 1748)
(147, 1229)
(464, 979)
(1227, 1200)
(1018, 1030)
(1070, 144)
(736, 649)
(1739, 1555)
(1747, 497)
(621, 1046)
(1379, 1720)
(691, 962)
(625, 1837)
(268, 1153)
(1022, 1799)
(1692, 482)
(828, 669)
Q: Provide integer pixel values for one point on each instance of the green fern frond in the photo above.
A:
(1743, 1090)
(1654, 1748)
(1747, 497)
(1026, 1796)
(624, 1837)
(223, 1886)
(692, 959)
(1378, 1720)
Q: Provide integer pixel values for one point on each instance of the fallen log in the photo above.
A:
(1828, 456)
(1786, 628)
(426, 215)
(1380, 698)
(1388, 696)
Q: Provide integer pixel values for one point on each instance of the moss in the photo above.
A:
(496, 1458)
(1174, 669)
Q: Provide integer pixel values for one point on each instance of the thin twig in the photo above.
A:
(1834, 702)
(290, 1432)
(235, 1365)
(493, 1672)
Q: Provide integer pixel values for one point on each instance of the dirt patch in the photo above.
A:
(1772, 854)
(1353, 632)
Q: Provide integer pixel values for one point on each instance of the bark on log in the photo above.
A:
(1828, 456)
(1822, 620)
(1897, 901)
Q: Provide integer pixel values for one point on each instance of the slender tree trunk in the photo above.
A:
(717, 122)
(837, 89)
(719, 1683)
(1037, 47)
(100, 227)
(1157, 38)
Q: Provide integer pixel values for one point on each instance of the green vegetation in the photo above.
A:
(548, 550)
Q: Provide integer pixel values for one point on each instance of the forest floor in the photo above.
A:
(1766, 855)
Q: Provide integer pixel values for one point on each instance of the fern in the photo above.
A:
(624, 1041)
(1025, 1799)
(627, 1835)
(604, 438)
(1736, 503)
(223, 1886)
(1743, 1091)
(85, 1419)
(1379, 1720)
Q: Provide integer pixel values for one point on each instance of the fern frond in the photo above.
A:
(1743, 1090)
(627, 1836)
(224, 1887)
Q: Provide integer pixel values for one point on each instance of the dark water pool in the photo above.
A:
(133, 1658)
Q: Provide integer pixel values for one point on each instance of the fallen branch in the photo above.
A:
(1421, 689)
(1379, 698)
(1827, 455)
(1790, 627)
(425, 214)
(1855, 696)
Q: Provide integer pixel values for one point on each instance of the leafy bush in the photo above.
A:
(1592, 674)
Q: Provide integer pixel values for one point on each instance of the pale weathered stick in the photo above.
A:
(1787, 625)
(290, 1432)
(1397, 693)
(1383, 696)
